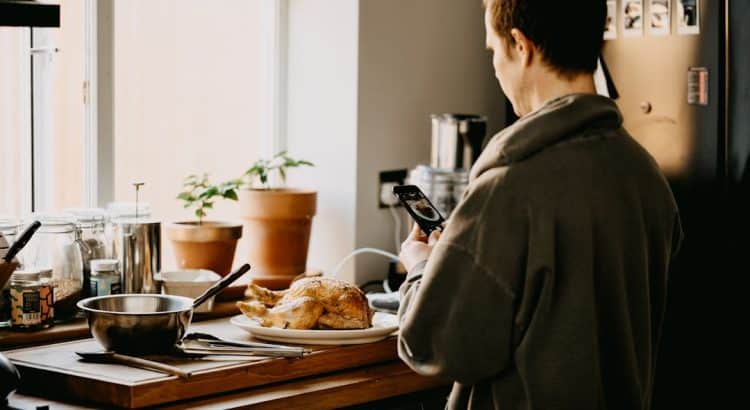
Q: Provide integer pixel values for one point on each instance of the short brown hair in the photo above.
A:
(569, 33)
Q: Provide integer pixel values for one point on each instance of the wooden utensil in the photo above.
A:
(112, 357)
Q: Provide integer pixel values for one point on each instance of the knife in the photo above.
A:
(22, 241)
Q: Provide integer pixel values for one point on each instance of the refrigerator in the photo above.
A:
(684, 92)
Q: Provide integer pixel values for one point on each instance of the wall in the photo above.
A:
(416, 57)
(363, 78)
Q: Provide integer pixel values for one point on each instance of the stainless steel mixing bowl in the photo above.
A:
(138, 323)
(145, 323)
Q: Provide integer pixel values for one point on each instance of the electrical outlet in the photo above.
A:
(386, 181)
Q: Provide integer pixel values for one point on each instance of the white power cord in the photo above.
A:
(335, 271)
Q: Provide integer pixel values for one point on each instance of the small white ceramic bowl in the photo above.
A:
(189, 283)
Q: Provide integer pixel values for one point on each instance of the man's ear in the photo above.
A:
(523, 46)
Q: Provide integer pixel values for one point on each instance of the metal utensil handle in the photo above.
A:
(136, 361)
(249, 344)
(22, 241)
(220, 285)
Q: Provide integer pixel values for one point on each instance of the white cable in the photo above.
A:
(335, 271)
(397, 220)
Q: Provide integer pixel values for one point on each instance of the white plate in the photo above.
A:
(383, 324)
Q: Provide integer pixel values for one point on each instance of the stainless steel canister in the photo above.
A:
(456, 140)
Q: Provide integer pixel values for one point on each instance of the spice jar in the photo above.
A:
(105, 278)
(91, 224)
(55, 247)
(25, 299)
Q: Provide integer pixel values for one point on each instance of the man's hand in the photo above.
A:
(417, 247)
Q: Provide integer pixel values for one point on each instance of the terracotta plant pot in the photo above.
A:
(277, 229)
(209, 245)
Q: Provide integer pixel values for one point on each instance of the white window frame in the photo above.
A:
(41, 142)
(275, 29)
(91, 86)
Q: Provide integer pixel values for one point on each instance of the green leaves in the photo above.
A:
(279, 163)
(199, 193)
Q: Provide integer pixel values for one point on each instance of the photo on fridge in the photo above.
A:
(688, 16)
(632, 18)
(660, 22)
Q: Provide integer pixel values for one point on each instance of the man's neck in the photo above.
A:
(549, 87)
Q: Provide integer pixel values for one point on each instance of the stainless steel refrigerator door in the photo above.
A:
(651, 75)
(688, 141)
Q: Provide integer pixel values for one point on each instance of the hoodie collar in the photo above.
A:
(557, 120)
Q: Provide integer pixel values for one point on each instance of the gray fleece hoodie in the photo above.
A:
(548, 287)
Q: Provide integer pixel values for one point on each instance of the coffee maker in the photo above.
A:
(455, 145)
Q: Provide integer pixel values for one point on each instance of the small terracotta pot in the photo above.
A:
(277, 229)
(209, 245)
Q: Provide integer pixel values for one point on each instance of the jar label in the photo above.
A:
(25, 307)
(104, 286)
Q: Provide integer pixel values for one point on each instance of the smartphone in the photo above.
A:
(420, 208)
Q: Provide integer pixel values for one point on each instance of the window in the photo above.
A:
(42, 112)
(187, 99)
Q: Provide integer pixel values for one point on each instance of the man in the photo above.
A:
(547, 288)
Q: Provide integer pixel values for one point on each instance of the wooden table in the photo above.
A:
(389, 377)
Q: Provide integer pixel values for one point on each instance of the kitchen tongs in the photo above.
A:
(201, 343)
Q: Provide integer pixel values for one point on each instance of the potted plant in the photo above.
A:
(205, 244)
(277, 221)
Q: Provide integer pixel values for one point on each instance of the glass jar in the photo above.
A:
(8, 231)
(25, 299)
(91, 223)
(105, 277)
(9, 228)
(57, 246)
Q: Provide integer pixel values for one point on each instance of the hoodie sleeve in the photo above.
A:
(456, 313)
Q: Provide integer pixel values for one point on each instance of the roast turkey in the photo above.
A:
(309, 303)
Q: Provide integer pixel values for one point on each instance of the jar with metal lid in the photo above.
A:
(57, 246)
(25, 299)
(105, 277)
(91, 223)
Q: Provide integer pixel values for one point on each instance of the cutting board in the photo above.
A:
(55, 371)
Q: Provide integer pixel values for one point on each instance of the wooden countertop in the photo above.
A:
(334, 390)
(354, 386)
